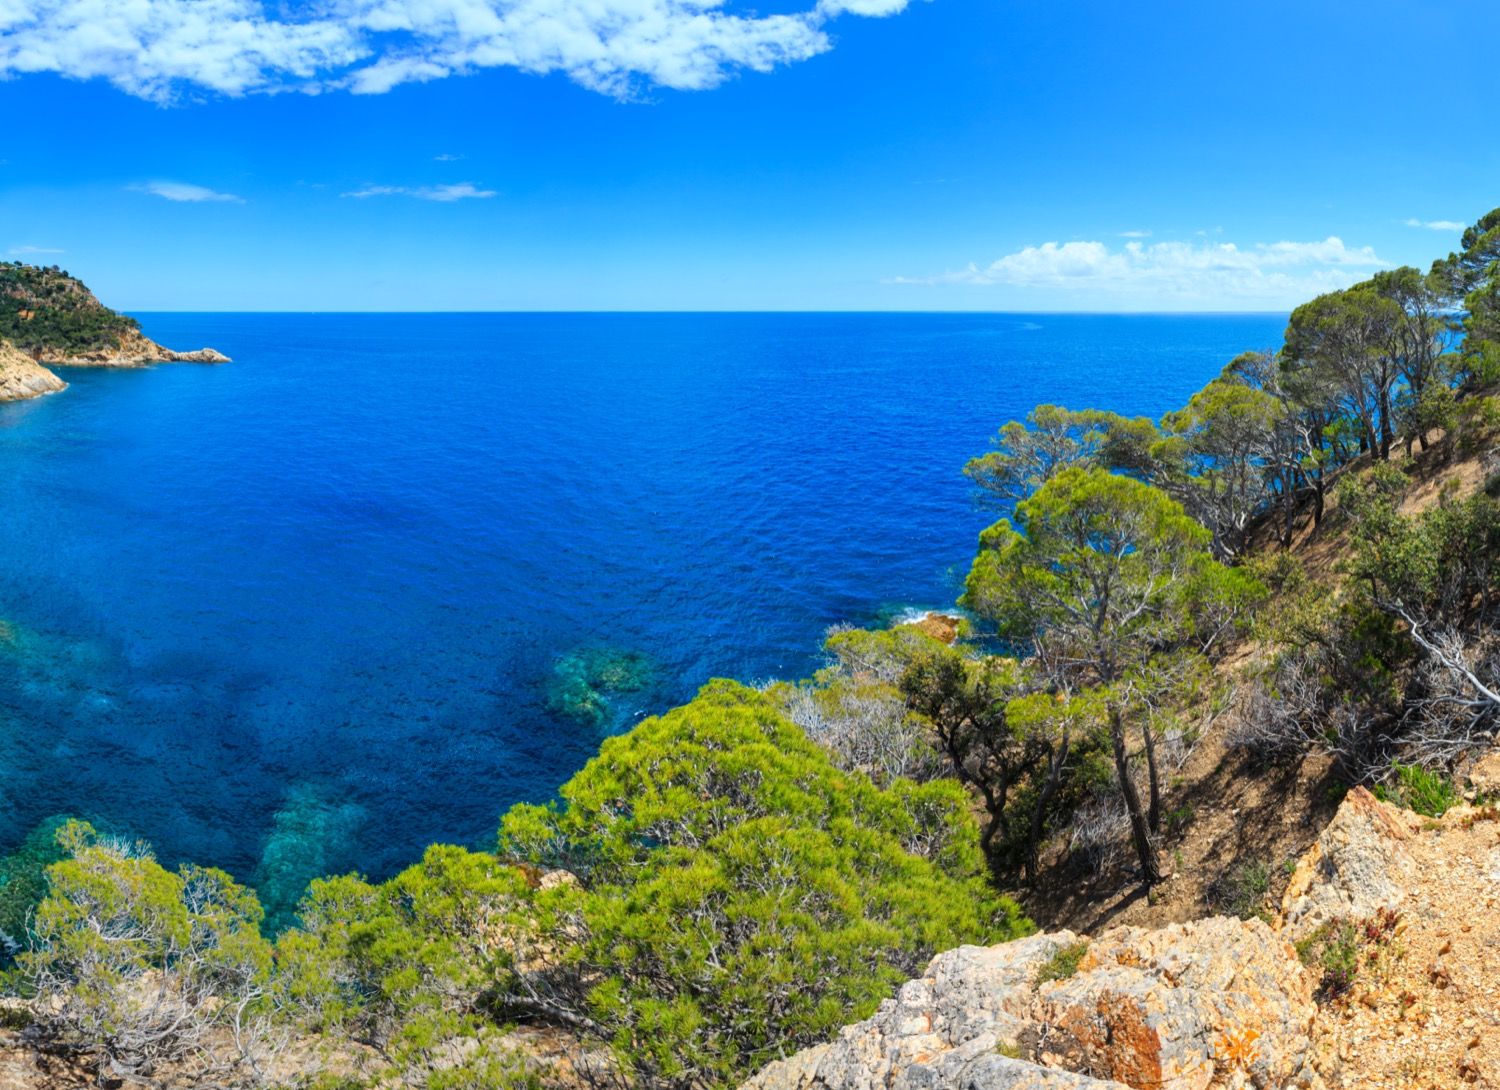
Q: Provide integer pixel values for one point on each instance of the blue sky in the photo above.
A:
(669, 154)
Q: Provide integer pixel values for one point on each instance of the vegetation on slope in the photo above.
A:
(45, 308)
(739, 877)
(729, 896)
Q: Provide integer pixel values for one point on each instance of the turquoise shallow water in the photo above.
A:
(385, 575)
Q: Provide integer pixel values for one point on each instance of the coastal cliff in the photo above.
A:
(50, 319)
(21, 377)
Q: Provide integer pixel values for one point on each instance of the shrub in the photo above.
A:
(406, 965)
(1418, 789)
(139, 965)
(1242, 889)
(23, 882)
(738, 896)
(1063, 964)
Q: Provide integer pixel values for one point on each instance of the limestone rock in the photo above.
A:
(1182, 1008)
(940, 626)
(134, 350)
(1359, 864)
(1484, 774)
(21, 377)
(1215, 1003)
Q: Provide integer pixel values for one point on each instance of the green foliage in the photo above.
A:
(1437, 566)
(406, 964)
(1241, 891)
(740, 896)
(138, 964)
(1340, 948)
(1478, 423)
(1420, 790)
(1063, 964)
(63, 314)
(1090, 572)
(23, 879)
(1028, 455)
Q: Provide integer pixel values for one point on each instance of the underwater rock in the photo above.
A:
(311, 837)
(583, 681)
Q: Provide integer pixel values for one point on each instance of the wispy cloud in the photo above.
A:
(457, 192)
(1279, 273)
(1437, 225)
(22, 251)
(165, 50)
(1135, 234)
(446, 158)
(184, 191)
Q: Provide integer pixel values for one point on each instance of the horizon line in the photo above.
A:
(601, 311)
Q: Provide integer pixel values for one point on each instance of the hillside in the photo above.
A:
(45, 310)
(51, 319)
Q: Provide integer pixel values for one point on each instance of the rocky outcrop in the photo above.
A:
(1216, 1003)
(133, 350)
(940, 626)
(1361, 863)
(21, 377)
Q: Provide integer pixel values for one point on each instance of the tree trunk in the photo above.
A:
(1318, 506)
(1154, 813)
(1039, 813)
(1140, 832)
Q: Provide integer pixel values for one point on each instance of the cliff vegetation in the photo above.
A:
(46, 308)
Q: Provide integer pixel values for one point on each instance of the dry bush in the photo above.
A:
(866, 728)
(1099, 836)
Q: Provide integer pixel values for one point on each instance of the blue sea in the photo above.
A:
(383, 576)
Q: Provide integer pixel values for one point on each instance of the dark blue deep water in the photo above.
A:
(385, 575)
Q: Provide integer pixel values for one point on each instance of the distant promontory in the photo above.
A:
(50, 319)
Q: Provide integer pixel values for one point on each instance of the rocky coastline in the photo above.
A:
(27, 375)
(21, 377)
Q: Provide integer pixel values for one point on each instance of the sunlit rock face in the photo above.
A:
(1215, 1003)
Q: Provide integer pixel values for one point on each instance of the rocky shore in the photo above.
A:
(21, 377)
(133, 350)
(24, 375)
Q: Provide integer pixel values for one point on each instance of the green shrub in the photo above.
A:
(23, 880)
(1242, 889)
(1417, 789)
(1063, 964)
(138, 965)
(739, 897)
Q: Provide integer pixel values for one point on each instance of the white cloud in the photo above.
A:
(457, 192)
(21, 251)
(1437, 225)
(446, 158)
(183, 191)
(1135, 234)
(1166, 273)
(165, 49)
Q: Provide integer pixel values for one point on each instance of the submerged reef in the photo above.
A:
(584, 680)
(311, 837)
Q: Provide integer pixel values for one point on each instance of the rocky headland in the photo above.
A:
(50, 319)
